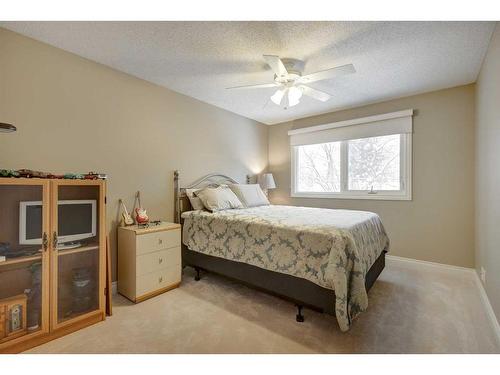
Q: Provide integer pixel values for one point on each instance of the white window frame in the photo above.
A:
(405, 193)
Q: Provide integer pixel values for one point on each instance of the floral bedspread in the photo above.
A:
(331, 248)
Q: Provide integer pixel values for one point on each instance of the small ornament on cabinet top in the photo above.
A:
(28, 173)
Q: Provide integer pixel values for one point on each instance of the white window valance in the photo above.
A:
(372, 126)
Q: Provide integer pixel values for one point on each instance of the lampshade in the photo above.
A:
(278, 96)
(266, 181)
(291, 95)
(294, 95)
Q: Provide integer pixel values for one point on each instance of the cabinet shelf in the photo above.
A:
(32, 258)
(80, 249)
(19, 260)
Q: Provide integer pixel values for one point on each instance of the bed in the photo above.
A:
(323, 259)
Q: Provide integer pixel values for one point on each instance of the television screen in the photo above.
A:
(34, 222)
(74, 219)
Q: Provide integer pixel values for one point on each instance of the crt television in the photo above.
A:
(76, 221)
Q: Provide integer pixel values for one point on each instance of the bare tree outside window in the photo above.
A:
(374, 162)
(318, 167)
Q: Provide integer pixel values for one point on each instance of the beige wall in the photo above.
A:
(488, 171)
(438, 224)
(75, 115)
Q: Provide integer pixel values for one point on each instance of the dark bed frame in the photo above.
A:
(302, 292)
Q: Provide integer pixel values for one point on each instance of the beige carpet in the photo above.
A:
(413, 309)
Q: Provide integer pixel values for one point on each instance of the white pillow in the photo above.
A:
(196, 202)
(218, 199)
(250, 195)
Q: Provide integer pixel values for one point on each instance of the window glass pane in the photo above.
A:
(318, 168)
(374, 162)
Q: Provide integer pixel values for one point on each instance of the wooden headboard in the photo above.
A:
(181, 201)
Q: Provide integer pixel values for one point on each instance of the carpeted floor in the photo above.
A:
(413, 309)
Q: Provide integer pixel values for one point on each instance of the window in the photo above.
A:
(374, 163)
(354, 166)
(318, 168)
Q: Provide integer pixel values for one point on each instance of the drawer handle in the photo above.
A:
(160, 279)
(160, 260)
(160, 241)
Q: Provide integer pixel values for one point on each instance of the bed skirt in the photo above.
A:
(299, 291)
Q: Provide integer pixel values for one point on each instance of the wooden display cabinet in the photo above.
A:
(53, 239)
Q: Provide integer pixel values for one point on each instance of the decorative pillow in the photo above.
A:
(196, 202)
(250, 195)
(218, 199)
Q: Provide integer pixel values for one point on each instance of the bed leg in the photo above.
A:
(197, 277)
(299, 317)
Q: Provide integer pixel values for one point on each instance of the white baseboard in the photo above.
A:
(393, 258)
(489, 309)
(471, 272)
(114, 287)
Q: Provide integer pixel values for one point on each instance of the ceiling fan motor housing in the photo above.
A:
(294, 67)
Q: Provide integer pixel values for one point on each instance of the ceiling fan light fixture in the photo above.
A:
(277, 97)
(294, 95)
(291, 83)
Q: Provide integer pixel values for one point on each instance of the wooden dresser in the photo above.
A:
(149, 260)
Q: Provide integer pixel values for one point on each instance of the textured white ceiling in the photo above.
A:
(201, 59)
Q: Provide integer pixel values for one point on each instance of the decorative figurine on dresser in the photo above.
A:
(141, 216)
(52, 256)
(149, 259)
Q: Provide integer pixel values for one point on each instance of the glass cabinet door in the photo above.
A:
(76, 241)
(24, 259)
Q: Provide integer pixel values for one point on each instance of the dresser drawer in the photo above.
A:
(158, 279)
(150, 242)
(159, 259)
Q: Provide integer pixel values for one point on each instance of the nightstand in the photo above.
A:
(149, 260)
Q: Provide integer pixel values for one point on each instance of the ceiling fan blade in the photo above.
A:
(276, 65)
(328, 74)
(261, 86)
(315, 94)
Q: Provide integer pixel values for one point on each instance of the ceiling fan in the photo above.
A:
(292, 84)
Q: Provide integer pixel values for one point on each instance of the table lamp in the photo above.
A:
(266, 182)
